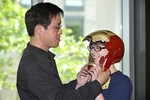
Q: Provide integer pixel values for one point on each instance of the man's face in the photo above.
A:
(51, 36)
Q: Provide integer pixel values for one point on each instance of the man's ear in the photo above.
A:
(39, 29)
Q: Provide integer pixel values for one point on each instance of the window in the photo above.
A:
(76, 24)
(74, 4)
(25, 3)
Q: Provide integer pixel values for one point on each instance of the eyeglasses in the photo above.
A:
(96, 48)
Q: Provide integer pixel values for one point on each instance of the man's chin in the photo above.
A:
(56, 46)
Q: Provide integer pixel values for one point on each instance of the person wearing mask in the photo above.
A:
(105, 50)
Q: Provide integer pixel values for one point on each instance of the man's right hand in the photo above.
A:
(82, 77)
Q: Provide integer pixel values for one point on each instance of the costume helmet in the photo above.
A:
(113, 44)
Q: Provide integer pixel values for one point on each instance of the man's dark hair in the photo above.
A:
(41, 14)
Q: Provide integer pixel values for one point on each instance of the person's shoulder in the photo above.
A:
(121, 80)
(29, 58)
(28, 54)
(119, 76)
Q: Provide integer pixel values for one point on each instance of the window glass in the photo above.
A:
(74, 4)
(82, 18)
(76, 24)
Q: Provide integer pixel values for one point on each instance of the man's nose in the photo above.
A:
(60, 31)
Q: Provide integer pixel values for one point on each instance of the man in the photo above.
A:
(37, 76)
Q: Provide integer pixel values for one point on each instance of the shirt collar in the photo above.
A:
(40, 51)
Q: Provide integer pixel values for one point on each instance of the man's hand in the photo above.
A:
(82, 77)
(94, 72)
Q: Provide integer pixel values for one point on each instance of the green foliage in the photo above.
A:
(12, 27)
(13, 38)
(5, 72)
